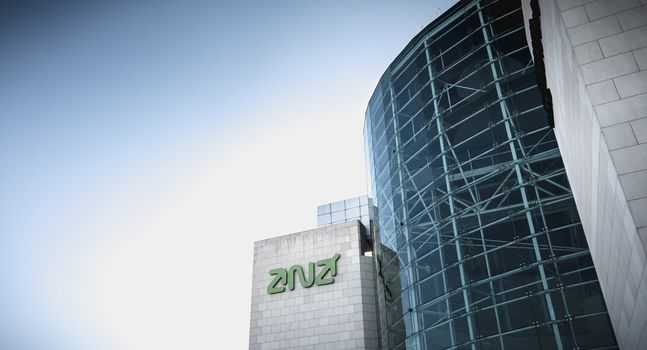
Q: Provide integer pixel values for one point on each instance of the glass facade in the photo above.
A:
(479, 243)
(358, 208)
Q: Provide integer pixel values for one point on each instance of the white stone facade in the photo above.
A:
(341, 315)
(596, 68)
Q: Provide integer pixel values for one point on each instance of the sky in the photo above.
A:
(145, 145)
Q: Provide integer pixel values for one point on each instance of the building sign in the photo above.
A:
(283, 277)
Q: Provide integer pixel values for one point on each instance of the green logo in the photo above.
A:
(288, 277)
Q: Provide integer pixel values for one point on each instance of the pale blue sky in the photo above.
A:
(144, 147)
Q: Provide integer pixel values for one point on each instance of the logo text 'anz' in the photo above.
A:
(288, 277)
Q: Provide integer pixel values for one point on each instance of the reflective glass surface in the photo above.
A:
(323, 220)
(323, 209)
(480, 244)
(352, 203)
(338, 216)
(337, 206)
(358, 208)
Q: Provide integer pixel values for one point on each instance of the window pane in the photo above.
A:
(323, 209)
(323, 220)
(351, 203)
(338, 216)
(337, 206)
(352, 213)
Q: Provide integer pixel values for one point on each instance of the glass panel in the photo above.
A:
(351, 203)
(337, 206)
(352, 213)
(323, 220)
(338, 216)
(323, 209)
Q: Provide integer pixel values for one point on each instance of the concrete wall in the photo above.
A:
(596, 68)
(341, 315)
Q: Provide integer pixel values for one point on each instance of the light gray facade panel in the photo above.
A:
(569, 4)
(638, 208)
(635, 184)
(633, 18)
(587, 53)
(627, 109)
(624, 42)
(639, 128)
(608, 68)
(619, 136)
(602, 92)
(590, 31)
(630, 159)
(604, 8)
(631, 84)
(641, 58)
(575, 16)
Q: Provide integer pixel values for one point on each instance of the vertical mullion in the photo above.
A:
(506, 118)
(459, 254)
(405, 230)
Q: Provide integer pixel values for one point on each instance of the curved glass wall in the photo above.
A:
(480, 245)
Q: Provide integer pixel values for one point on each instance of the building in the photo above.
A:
(480, 241)
(314, 290)
(506, 147)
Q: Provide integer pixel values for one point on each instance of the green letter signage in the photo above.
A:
(288, 277)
